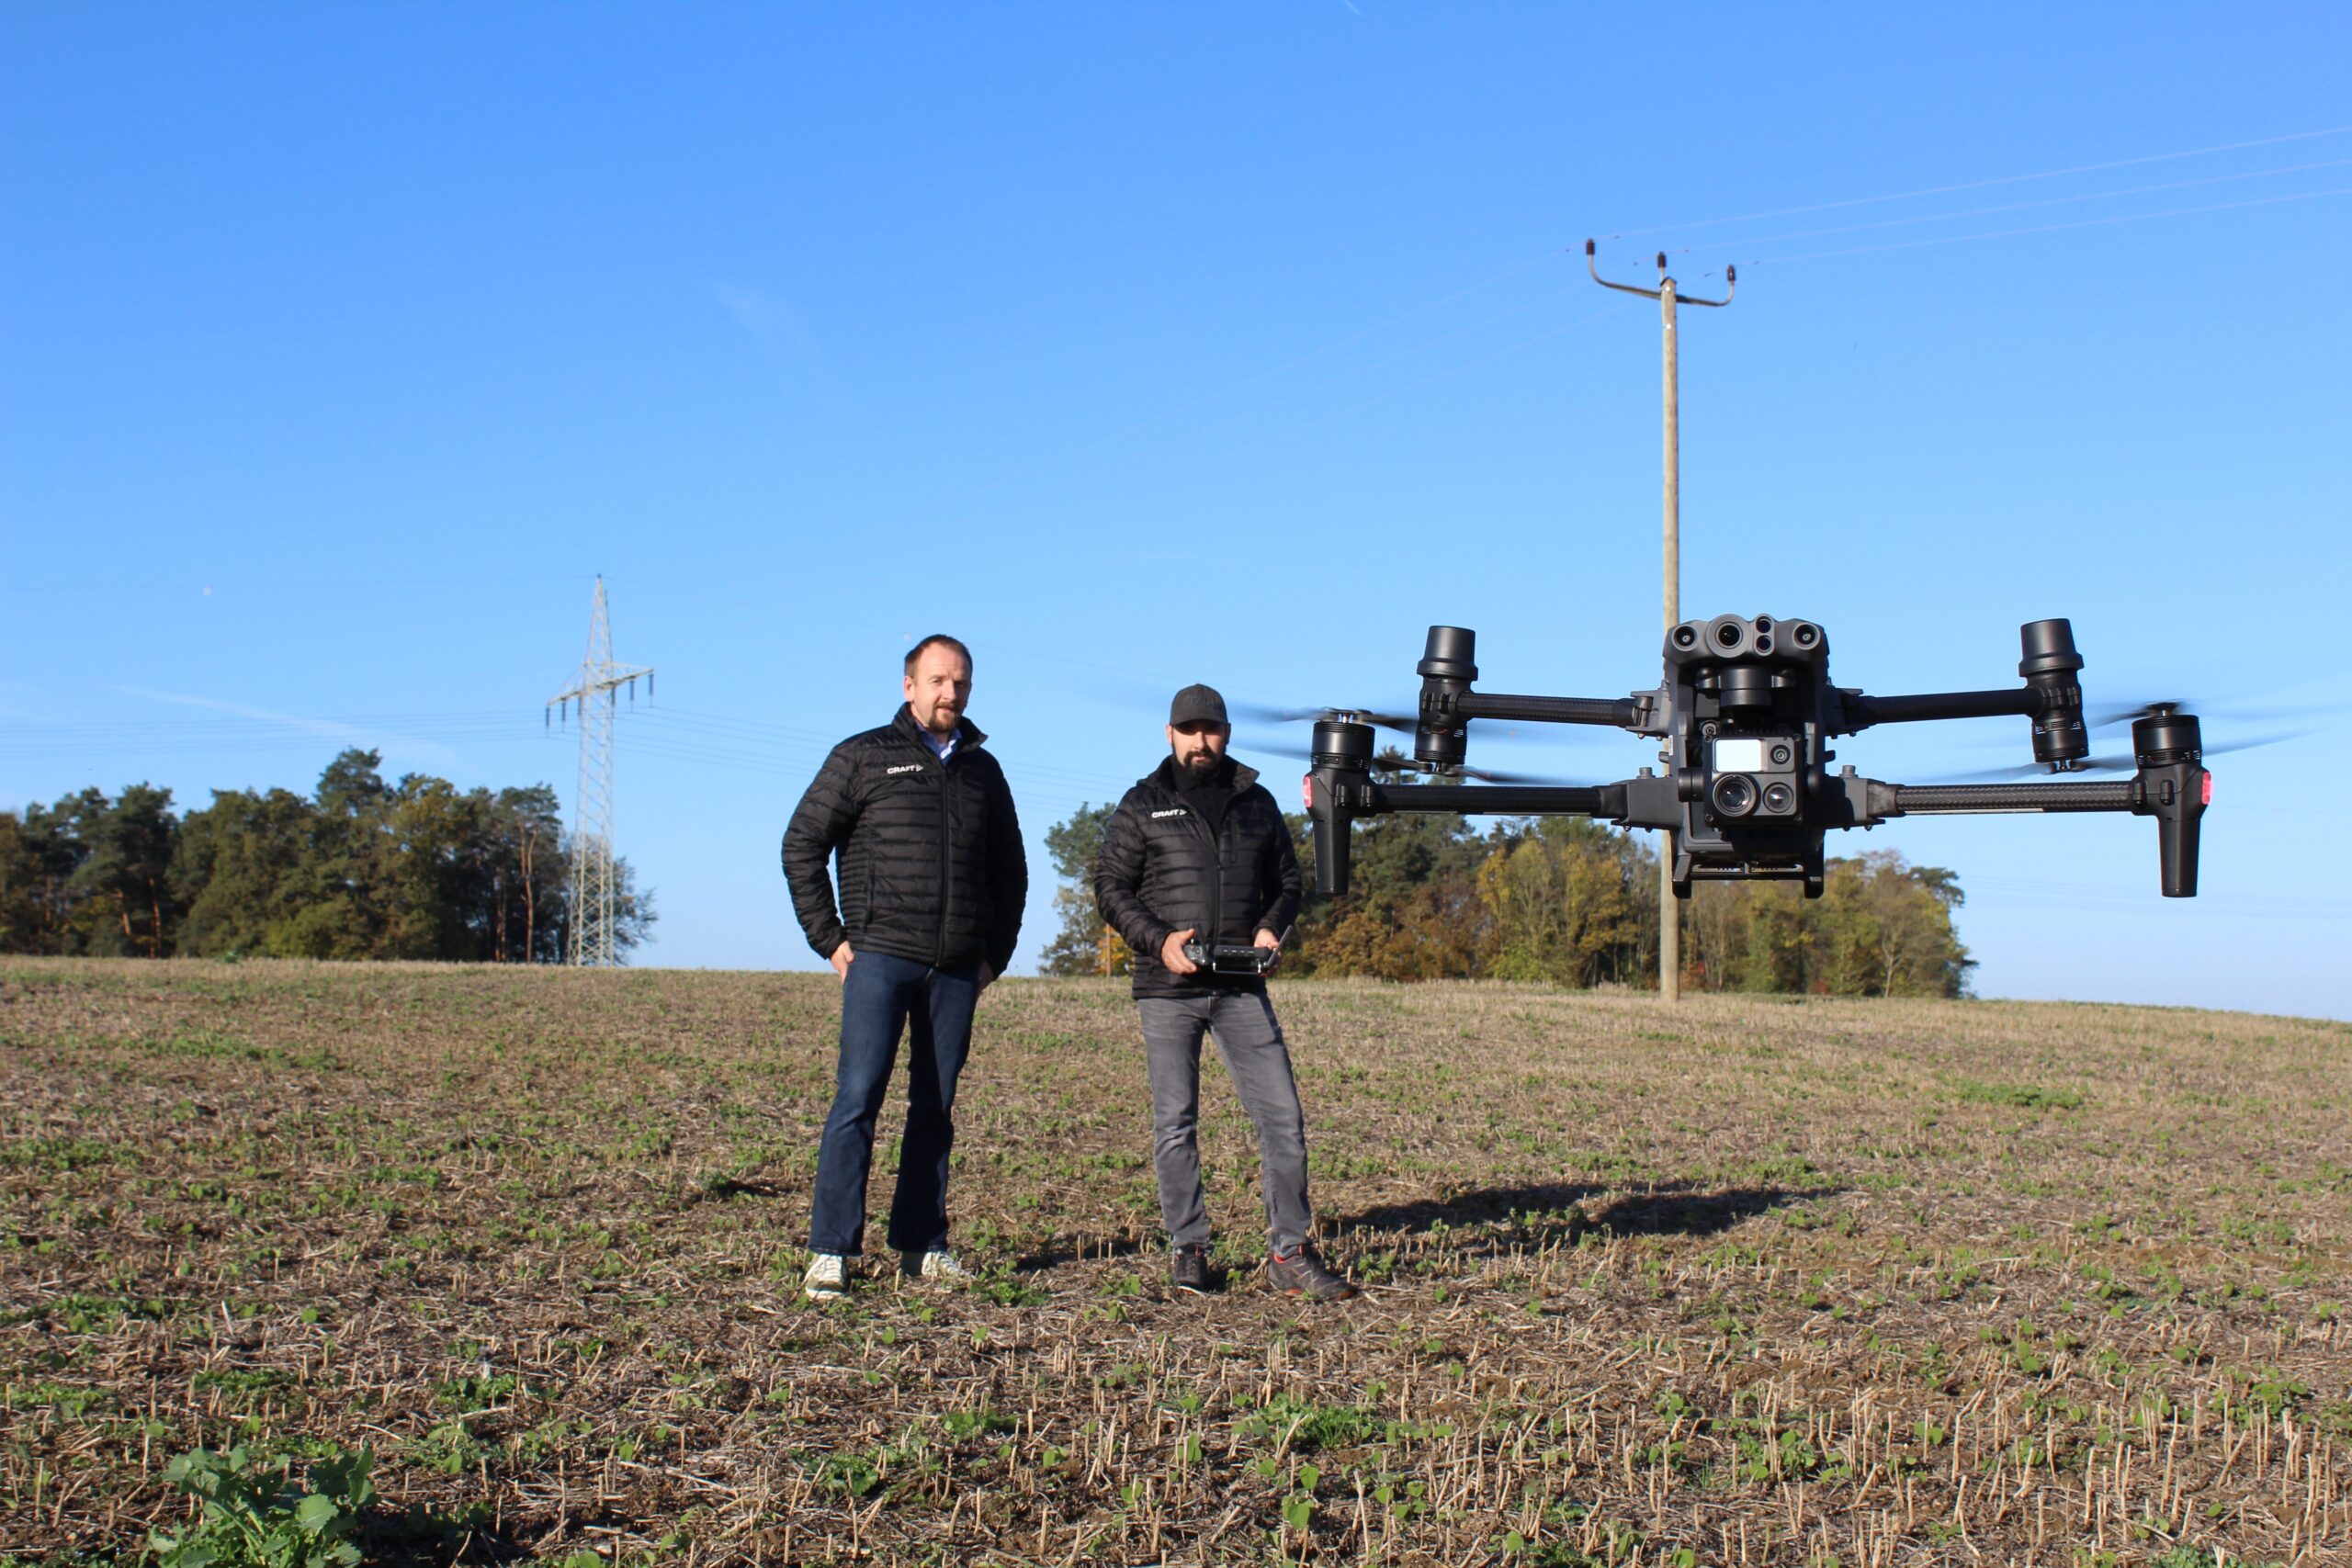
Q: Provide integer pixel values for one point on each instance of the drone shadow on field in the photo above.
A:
(1676, 1209)
(1549, 1213)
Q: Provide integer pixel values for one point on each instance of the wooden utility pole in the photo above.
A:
(1669, 914)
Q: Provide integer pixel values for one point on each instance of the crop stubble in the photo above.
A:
(1753, 1279)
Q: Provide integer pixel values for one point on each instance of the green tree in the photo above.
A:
(336, 894)
(124, 877)
(236, 869)
(39, 854)
(1082, 942)
(416, 869)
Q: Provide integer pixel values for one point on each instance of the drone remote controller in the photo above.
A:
(1744, 718)
(1231, 958)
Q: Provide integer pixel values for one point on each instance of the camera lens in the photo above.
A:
(1684, 636)
(1779, 756)
(1727, 635)
(1734, 795)
(1805, 635)
(1778, 798)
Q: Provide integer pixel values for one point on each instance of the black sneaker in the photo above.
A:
(1188, 1270)
(1303, 1274)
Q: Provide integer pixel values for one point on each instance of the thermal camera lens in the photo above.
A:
(1778, 798)
(1734, 795)
(1779, 756)
(1727, 635)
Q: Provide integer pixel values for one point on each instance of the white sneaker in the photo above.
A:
(939, 1265)
(828, 1278)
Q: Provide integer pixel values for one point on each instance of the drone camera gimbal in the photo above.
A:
(1743, 719)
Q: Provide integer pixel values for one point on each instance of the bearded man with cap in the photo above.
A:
(1198, 851)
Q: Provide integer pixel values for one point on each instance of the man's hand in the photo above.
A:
(840, 961)
(988, 975)
(1172, 953)
(1272, 943)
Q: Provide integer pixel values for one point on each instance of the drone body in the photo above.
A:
(1744, 717)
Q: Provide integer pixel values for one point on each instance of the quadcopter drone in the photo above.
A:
(1744, 717)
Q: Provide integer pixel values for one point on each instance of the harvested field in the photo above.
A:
(1749, 1282)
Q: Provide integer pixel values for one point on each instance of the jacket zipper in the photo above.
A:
(946, 879)
(1216, 867)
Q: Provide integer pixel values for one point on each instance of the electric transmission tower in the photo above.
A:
(597, 693)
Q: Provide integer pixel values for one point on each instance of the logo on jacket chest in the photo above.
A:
(905, 768)
(1172, 811)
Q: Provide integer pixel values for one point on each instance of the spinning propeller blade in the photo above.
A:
(1262, 713)
(2123, 762)
(1393, 760)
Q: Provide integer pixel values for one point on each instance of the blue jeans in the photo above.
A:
(882, 996)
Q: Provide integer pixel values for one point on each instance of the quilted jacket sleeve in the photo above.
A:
(1284, 881)
(1008, 874)
(1118, 878)
(820, 824)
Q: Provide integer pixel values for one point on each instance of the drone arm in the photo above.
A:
(1336, 795)
(1862, 712)
(1887, 800)
(2174, 789)
(1624, 712)
(1506, 800)
(2052, 698)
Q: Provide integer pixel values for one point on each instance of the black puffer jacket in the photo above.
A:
(932, 867)
(1159, 871)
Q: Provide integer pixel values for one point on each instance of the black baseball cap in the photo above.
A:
(1197, 703)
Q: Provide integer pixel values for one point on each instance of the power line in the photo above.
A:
(2045, 202)
(1987, 183)
(2053, 228)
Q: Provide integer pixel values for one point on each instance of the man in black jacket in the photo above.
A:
(933, 881)
(1198, 851)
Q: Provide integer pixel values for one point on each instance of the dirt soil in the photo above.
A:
(1746, 1281)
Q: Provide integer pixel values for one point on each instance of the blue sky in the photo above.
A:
(341, 347)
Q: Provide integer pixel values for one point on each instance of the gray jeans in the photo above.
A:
(1251, 1044)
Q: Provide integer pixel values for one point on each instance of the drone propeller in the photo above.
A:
(2103, 718)
(1263, 712)
(2124, 762)
(2226, 710)
(1393, 760)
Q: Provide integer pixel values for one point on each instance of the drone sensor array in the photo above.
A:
(1744, 718)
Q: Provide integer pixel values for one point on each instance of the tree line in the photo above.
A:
(362, 869)
(1569, 901)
